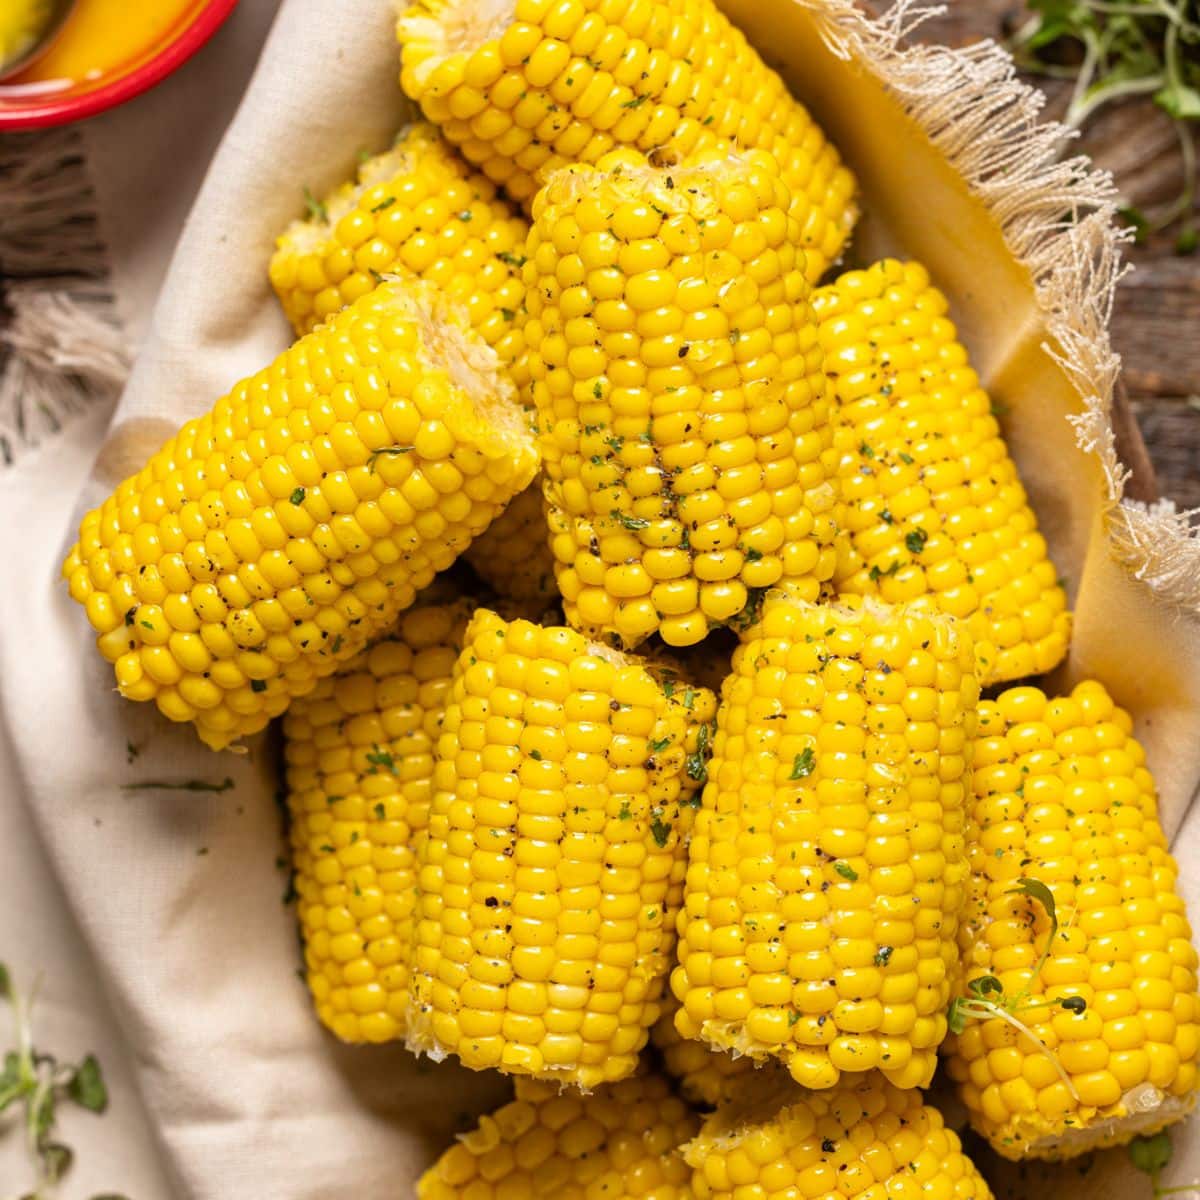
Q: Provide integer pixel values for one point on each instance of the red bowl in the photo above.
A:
(23, 108)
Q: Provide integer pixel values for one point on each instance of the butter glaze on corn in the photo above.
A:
(680, 395)
(932, 503)
(619, 1143)
(827, 865)
(1062, 795)
(553, 867)
(524, 87)
(359, 771)
(865, 1141)
(271, 539)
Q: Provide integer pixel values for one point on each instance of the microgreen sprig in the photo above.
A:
(1151, 1154)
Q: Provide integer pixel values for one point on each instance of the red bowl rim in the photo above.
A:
(46, 111)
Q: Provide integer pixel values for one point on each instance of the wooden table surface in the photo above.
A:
(1156, 322)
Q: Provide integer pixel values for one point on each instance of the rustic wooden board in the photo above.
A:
(1156, 320)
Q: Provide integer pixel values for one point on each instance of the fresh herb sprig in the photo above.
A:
(1117, 49)
(1151, 1154)
(36, 1083)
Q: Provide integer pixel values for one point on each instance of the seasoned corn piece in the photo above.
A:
(553, 867)
(524, 87)
(359, 770)
(827, 866)
(417, 209)
(865, 1141)
(620, 1143)
(680, 395)
(932, 503)
(705, 1077)
(512, 556)
(1062, 796)
(271, 539)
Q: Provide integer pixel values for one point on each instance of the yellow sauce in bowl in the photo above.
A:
(21, 24)
(100, 37)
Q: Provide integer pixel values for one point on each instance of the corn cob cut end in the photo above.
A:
(622, 1141)
(358, 754)
(780, 1140)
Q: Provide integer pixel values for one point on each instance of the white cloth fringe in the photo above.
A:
(61, 346)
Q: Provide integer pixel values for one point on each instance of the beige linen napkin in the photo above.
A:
(177, 893)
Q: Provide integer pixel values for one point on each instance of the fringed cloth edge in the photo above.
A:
(1057, 215)
(61, 346)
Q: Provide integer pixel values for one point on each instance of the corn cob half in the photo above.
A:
(706, 1078)
(524, 87)
(553, 866)
(827, 865)
(680, 396)
(1075, 928)
(359, 768)
(416, 209)
(620, 1143)
(270, 540)
(512, 556)
(932, 503)
(865, 1141)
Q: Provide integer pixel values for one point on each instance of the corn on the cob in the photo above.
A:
(1062, 797)
(620, 1143)
(680, 395)
(706, 1078)
(865, 1141)
(512, 556)
(552, 870)
(931, 500)
(271, 539)
(359, 771)
(524, 87)
(827, 865)
(417, 209)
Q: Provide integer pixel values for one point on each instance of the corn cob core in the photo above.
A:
(553, 867)
(705, 1078)
(1062, 795)
(620, 1143)
(359, 769)
(513, 556)
(932, 503)
(865, 1141)
(526, 87)
(680, 395)
(270, 540)
(417, 209)
(827, 865)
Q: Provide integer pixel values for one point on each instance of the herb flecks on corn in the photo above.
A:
(359, 771)
(680, 395)
(827, 865)
(524, 87)
(932, 503)
(512, 556)
(416, 209)
(271, 539)
(706, 1078)
(868, 1139)
(620, 1142)
(1062, 796)
(553, 867)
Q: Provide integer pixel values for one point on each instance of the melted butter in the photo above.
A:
(102, 36)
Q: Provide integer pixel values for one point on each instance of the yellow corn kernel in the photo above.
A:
(358, 751)
(931, 500)
(866, 1139)
(416, 209)
(512, 556)
(827, 865)
(524, 87)
(622, 1141)
(564, 792)
(680, 395)
(706, 1078)
(1061, 795)
(272, 538)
